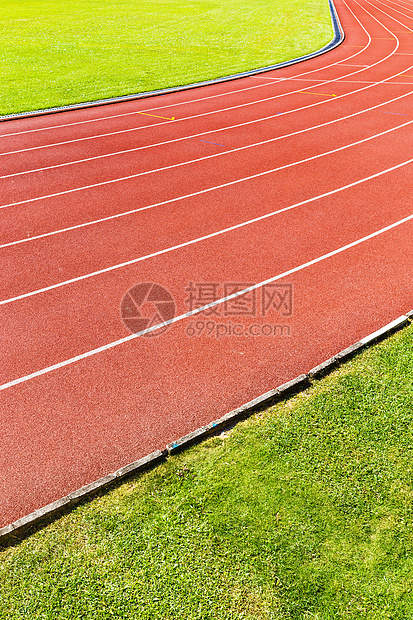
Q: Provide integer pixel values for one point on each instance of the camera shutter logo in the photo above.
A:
(146, 305)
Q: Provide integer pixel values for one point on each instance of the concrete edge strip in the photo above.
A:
(14, 532)
(337, 39)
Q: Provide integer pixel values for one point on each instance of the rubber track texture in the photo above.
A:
(278, 202)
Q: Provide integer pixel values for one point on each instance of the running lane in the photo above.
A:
(274, 212)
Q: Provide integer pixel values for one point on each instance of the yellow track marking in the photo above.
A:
(156, 116)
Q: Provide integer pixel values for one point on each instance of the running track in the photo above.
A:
(300, 178)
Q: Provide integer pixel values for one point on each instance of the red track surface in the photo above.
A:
(300, 163)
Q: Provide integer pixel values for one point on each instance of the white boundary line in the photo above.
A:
(203, 238)
(121, 341)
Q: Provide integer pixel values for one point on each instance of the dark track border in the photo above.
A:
(335, 41)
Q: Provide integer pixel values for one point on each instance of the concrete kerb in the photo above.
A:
(15, 532)
(386, 331)
(332, 363)
(322, 369)
(337, 39)
(229, 419)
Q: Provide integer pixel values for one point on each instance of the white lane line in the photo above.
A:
(393, 9)
(203, 238)
(357, 81)
(181, 317)
(210, 189)
(390, 16)
(139, 148)
(138, 174)
(403, 4)
(375, 83)
(388, 83)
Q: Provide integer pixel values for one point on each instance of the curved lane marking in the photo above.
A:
(121, 341)
(228, 184)
(203, 238)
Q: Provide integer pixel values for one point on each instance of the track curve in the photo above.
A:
(277, 212)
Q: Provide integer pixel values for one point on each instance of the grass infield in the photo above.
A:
(301, 512)
(57, 53)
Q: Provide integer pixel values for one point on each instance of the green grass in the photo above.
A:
(54, 53)
(301, 512)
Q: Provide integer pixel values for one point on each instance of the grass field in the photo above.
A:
(302, 512)
(56, 53)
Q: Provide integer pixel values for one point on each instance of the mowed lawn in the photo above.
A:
(56, 53)
(302, 512)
